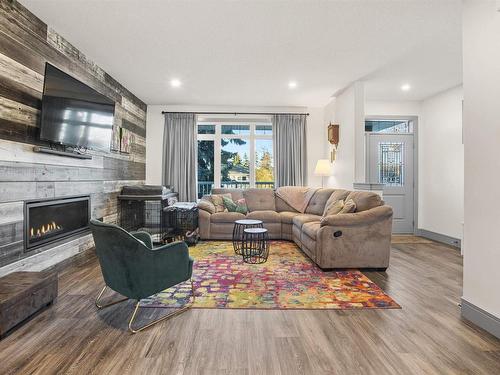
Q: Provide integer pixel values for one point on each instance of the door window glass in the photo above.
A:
(391, 163)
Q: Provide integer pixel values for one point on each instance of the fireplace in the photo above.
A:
(49, 220)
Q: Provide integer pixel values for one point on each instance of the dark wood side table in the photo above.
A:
(22, 294)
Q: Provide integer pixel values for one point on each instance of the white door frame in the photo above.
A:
(415, 159)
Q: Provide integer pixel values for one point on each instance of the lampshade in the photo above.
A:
(323, 168)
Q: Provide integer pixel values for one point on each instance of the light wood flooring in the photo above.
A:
(427, 336)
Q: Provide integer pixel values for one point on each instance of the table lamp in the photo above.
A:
(323, 168)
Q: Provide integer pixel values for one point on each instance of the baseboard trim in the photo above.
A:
(481, 318)
(443, 238)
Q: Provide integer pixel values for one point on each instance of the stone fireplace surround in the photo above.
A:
(27, 44)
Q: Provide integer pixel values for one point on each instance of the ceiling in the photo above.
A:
(246, 52)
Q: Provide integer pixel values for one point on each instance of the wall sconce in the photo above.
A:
(333, 138)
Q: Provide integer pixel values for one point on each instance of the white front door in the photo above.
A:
(390, 162)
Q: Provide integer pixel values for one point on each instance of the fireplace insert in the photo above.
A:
(49, 220)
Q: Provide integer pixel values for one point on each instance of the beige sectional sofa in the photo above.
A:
(353, 240)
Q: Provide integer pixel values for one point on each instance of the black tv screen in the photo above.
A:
(73, 114)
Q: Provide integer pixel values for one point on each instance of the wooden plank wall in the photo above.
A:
(26, 44)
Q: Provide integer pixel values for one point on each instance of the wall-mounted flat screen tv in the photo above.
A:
(73, 114)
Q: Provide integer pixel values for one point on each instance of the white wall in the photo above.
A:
(359, 133)
(317, 140)
(399, 108)
(440, 157)
(347, 110)
(315, 135)
(341, 111)
(441, 164)
(481, 56)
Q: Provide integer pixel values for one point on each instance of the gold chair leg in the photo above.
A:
(97, 300)
(165, 317)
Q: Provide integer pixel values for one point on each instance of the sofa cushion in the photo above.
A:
(260, 199)
(236, 194)
(226, 217)
(266, 216)
(218, 201)
(317, 203)
(238, 206)
(281, 205)
(334, 208)
(337, 195)
(340, 207)
(287, 216)
(349, 207)
(301, 219)
(311, 228)
(365, 200)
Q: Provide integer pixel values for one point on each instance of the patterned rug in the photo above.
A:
(288, 280)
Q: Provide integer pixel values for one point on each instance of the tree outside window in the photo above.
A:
(234, 156)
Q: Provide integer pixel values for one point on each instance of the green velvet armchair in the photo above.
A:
(132, 267)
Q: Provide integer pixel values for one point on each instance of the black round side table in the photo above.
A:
(255, 245)
(239, 226)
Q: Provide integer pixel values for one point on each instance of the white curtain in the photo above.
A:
(289, 139)
(179, 154)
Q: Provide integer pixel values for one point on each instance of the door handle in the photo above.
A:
(337, 233)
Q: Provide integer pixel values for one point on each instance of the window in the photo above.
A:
(391, 163)
(234, 155)
(389, 126)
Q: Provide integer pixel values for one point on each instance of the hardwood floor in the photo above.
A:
(427, 336)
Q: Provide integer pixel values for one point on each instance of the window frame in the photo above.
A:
(409, 122)
(218, 136)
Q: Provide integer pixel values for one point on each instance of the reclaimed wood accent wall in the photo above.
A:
(26, 44)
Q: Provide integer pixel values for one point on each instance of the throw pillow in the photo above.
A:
(349, 206)
(338, 194)
(219, 202)
(242, 206)
(206, 205)
(238, 206)
(229, 204)
(334, 208)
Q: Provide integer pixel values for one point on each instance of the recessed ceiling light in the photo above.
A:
(405, 87)
(292, 84)
(175, 83)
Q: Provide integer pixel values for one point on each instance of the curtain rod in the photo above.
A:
(237, 113)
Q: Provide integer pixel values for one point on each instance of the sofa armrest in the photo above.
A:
(204, 224)
(355, 219)
(356, 240)
(206, 205)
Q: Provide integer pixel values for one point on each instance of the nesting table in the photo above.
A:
(251, 241)
(239, 227)
(255, 245)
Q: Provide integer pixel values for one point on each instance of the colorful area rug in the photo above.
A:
(288, 280)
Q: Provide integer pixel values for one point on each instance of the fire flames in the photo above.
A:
(45, 229)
